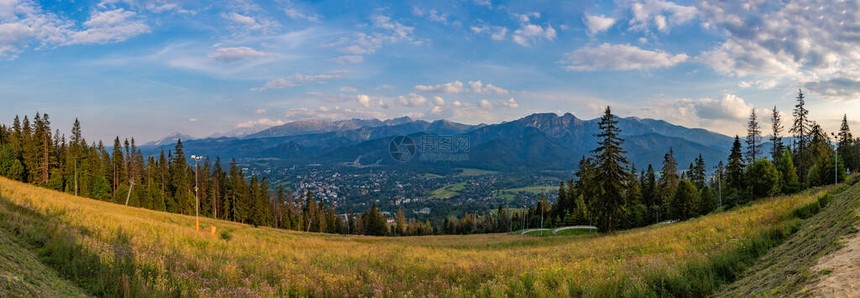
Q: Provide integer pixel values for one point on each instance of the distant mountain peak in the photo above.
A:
(169, 139)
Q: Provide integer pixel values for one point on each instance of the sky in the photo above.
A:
(146, 69)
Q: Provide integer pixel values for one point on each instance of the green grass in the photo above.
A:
(112, 250)
(785, 270)
(466, 172)
(569, 232)
(448, 191)
(539, 233)
(509, 194)
(22, 275)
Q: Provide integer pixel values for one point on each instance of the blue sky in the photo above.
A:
(145, 69)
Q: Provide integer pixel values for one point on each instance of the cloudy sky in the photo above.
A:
(149, 68)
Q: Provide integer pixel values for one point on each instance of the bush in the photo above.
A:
(764, 178)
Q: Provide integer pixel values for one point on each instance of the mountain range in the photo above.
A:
(538, 141)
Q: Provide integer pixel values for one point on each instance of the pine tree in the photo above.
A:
(776, 135)
(649, 187)
(697, 172)
(800, 128)
(668, 177)
(401, 223)
(610, 174)
(846, 147)
(735, 170)
(753, 138)
(683, 203)
(180, 183)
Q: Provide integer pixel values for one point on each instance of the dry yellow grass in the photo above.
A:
(270, 262)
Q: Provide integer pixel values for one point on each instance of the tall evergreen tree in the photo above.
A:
(800, 128)
(668, 176)
(776, 134)
(753, 138)
(735, 170)
(847, 148)
(611, 171)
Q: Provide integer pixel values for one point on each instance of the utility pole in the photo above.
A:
(541, 217)
(76, 175)
(835, 160)
(196, 193)
(720, 185)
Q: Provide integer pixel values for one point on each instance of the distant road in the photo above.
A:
(573, 227)
(556, 230)
(534, 230)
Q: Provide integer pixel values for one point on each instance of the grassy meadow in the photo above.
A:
(153, 253)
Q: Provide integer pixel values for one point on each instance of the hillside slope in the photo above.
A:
(148, 253)
(786, 269)
(21, 273)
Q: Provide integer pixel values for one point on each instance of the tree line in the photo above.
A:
(609, 193)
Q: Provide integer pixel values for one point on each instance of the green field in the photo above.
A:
(510, 193)
(107, 249)
(448, 191)
(466, 172)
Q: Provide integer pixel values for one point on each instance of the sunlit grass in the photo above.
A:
(271, 262)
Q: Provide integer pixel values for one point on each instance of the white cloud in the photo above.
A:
(659, 14)
(510, 103)
(298, 79)
(251, 23)
(436, 110)
(232, 54)
(432, 14)
(728, 107)
(530, 33)
(24, 23)
(597, 24)
(347, 89)
(761, 84)
(400, 31)
(456, 87)
(803, 40)
(349, 59)
(295, 14)
(619, 57)
(481, 88)
(263, 122)
(486, 3)
(485, 104)
(526, 17)
(110, 26)
(389, 31)
(836, 89)
(330, 113)
(363, 100)
(438, 101)
(453, 87)
(412, 100)
(259, 111)
(192, 119)
(495, 32)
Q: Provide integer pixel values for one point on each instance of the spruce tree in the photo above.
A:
(610, 172)
(753, 138)
(800, 128)
(668, 177)
(847, 148)
(776, 135)
(735, 170)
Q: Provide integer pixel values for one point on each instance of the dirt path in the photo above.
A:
(843, 279)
